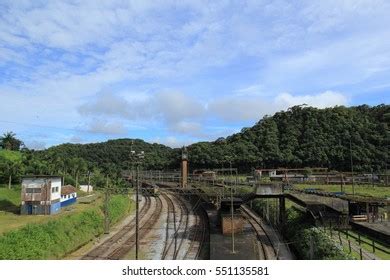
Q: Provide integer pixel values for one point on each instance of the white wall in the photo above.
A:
(39, 182)
(84, 188)
(56, 183)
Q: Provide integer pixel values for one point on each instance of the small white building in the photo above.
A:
(68, 195)
(41, 195)
(86, 188)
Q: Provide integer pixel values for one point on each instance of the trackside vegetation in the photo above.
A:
(307, 241)
(57, 238)
(311, 242)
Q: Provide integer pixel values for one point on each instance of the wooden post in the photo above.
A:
(340, 238)
(361, 253)
(349, 246)
(359, 238)
(373, 246)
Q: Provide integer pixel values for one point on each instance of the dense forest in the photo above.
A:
(306, 137)
(299, 137)
(114, 153)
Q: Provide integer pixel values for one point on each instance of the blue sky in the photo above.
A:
(177, 72)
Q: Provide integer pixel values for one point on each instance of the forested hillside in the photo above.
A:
(298, 137)
(114, 153)
(306, 136)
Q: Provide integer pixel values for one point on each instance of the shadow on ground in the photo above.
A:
(8, 206)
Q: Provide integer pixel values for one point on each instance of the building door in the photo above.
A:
(29, 209)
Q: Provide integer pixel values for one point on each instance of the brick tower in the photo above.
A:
(184, 167)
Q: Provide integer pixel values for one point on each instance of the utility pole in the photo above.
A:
(89, 180)
(137, 215)
(350, 151)
(138, 158)
(232, 212)
(232, 206)
(106, 208)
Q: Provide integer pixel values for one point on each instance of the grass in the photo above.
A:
(364, 190)
(11, 155)
(10, 205)
(12, 195)
(366, 244)
(55, 236)
(353, 253)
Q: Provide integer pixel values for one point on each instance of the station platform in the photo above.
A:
(221, 245)
(378, 230)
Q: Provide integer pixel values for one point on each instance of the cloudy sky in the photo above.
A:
(176, 72)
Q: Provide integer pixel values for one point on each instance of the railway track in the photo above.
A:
(197, 238)
(186, 239)
(110, 248)
(146, 224)
(268, 250)
(184, 234)
(175, 238)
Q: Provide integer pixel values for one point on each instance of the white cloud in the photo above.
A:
(75, 139)
(176, 106)
(240, 108)
(175, 109)
(104, 127)
(172, 141)
(187, 127)
(237, 108)
(321, 100)
(36, 145)
(108, 104)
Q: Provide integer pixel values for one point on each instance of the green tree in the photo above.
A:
(10, 169)
(9, 142)
(78, 166)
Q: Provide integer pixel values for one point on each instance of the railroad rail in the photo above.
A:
(147, 223)
(198, 237)
(121, 243)
(184, 234)
(192, 230)
(268, 250)
(176, 207)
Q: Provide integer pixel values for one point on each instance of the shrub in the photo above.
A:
(303, 235)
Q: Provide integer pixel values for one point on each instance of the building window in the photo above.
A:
(33, 190)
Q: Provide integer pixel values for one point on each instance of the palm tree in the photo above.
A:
(10, 142)
(10, 169)
(58, 165)
(82, 166)
(77, 166)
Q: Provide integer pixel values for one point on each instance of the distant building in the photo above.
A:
(41, 195)
(209, 174)
(86, 188)
(68, 195)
